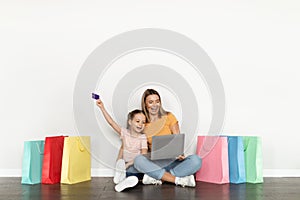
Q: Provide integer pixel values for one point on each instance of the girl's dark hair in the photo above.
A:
(131, 115)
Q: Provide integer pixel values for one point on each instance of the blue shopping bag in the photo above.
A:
(237, 172)
(32, 162)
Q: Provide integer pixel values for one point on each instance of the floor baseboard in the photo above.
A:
(110, 172)
(281, 172)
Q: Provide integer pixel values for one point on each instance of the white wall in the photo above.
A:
(254, 45)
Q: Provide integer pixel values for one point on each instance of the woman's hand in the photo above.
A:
(180, 157)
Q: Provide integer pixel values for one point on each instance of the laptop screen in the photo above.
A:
(167, 146)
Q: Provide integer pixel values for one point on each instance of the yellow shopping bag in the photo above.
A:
(76, 161)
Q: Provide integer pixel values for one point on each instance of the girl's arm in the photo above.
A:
(128, 164)
(144, 151)
(120, 155)
(108, 118)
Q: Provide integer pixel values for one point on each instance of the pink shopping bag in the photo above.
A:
(214, 153)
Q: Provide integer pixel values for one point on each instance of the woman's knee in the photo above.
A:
(196, 161)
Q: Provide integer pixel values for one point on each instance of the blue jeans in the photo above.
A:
(157, 168)
(131, 171)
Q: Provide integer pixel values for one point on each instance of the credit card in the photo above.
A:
(95, 96)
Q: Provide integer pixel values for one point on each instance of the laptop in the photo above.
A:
(167, 146)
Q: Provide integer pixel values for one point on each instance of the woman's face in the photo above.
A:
(152, 104)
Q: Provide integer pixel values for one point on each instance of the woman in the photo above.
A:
(160, 122)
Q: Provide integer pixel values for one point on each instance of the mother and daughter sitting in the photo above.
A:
(136, 138)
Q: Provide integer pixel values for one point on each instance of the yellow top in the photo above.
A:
(161, 126)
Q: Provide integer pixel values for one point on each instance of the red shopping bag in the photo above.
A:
(53, 151)
(214, 153)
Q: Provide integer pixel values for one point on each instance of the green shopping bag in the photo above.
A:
(253, 159)
(32, 162)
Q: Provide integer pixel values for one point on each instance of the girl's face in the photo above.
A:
(152, 104)
(137, 124)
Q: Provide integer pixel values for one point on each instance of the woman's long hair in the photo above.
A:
(161, 112)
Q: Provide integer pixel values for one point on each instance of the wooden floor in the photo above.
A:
(103, 188)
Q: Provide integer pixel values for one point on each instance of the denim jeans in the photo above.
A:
(157, 168)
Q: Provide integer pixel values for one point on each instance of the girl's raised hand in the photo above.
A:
(108, 118)
(99, 103)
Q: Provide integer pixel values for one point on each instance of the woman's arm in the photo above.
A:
(108, 118)
(175, 128)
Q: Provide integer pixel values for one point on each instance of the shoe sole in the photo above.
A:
(193, 181)
(129, 182)
(145, 182)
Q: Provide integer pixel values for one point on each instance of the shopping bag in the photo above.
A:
(76, 162)
(237, 173)
(32, 162)
(253, 159)
(214, 150)
(52, 159)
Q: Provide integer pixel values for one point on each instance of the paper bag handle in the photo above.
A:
(247, 143)
(39, 149)
(80, 146)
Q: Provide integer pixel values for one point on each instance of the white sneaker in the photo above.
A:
(120, 171)
(128, 182)
(186, 181)
(149, 180)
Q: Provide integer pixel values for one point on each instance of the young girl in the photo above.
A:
(134, 143)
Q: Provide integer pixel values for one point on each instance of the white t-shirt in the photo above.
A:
(132, 146)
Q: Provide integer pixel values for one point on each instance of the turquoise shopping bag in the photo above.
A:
(237, 173)
(32, 162)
